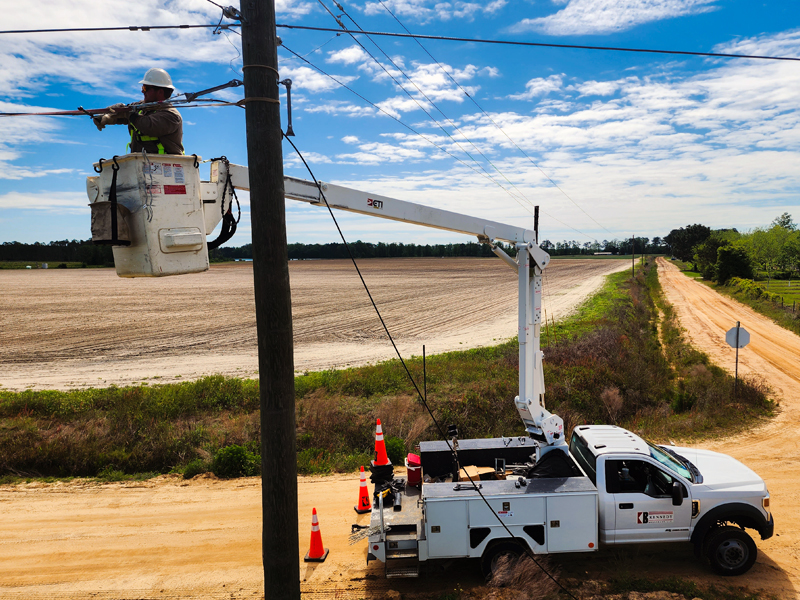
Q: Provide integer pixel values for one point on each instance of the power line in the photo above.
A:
(412, 35)
(539, 44)
(122, 28)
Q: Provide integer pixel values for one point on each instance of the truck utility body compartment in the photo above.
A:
(551, 515)
(456, 520)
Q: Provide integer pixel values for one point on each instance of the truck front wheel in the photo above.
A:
(730, 550)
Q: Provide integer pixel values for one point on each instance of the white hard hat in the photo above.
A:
(158, 78)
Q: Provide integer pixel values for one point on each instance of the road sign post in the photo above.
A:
(737, 337)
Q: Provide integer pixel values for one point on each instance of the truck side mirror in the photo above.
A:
(677, 494)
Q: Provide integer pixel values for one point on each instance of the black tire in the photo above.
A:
(511, 550)
(730, 550)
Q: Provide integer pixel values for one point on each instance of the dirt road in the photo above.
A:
(89, 328)
(167, 538)
(773, 450)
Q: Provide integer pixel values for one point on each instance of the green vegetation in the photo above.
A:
(235, 461)
(763, 253)
(607, 363)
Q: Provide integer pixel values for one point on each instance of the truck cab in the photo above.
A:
(651, 493)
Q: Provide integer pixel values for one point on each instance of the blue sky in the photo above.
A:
(636, 143)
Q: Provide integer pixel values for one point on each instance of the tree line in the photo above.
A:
(61, 251)
(633, 245)
(359, 249)
(84, 251)
(720, 254)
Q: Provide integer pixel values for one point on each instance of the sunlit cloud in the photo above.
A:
(582, 17)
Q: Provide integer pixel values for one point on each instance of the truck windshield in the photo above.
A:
(580, 451)
(670, 461)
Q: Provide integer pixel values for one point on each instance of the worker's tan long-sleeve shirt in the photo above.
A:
(165, 123)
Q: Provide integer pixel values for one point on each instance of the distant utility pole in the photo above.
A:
(633, 257)
(279, 543)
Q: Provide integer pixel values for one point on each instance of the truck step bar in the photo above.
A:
(405, 567)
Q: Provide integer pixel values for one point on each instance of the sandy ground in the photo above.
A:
(63, 329)
(169, 538)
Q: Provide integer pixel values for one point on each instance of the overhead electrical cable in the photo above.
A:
(540, 44)
(122, 28)
(452, 123)
(410, 95)
(488, 116)
(410, 35)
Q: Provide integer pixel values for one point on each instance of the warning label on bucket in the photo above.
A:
(175, 189)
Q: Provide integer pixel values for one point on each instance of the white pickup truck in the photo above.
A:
(622, 490)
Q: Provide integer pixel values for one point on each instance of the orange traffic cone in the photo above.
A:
(364, 503)
(316, 553)
(380, 448)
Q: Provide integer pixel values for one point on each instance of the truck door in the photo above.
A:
(643, 505)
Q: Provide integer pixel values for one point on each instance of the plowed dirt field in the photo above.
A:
(169, 538)
(62, 329)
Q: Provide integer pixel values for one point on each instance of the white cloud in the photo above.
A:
(312, 158)
(597, 88)
(399, 104)
(374, 153)
(348, 56)
(425, 11)
(293, 8)
(18, 134)
(309, 80)
(54, 202)
(338, 107)
(98, 61)
(582, 17)
(539, 86)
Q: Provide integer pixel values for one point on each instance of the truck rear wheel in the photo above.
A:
(496, 554)
(730, 550)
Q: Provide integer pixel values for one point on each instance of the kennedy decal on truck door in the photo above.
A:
(654, 517)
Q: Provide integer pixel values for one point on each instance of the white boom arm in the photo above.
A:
(546, 428)
(156, 213)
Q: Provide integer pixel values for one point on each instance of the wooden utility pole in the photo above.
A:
(279, 543)
(633, 257)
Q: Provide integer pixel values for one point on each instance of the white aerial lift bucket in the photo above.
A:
(149, 208)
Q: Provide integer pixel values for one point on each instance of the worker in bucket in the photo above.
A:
(156, 129)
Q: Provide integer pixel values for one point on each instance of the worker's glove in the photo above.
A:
(118, 108)
(103, 120)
